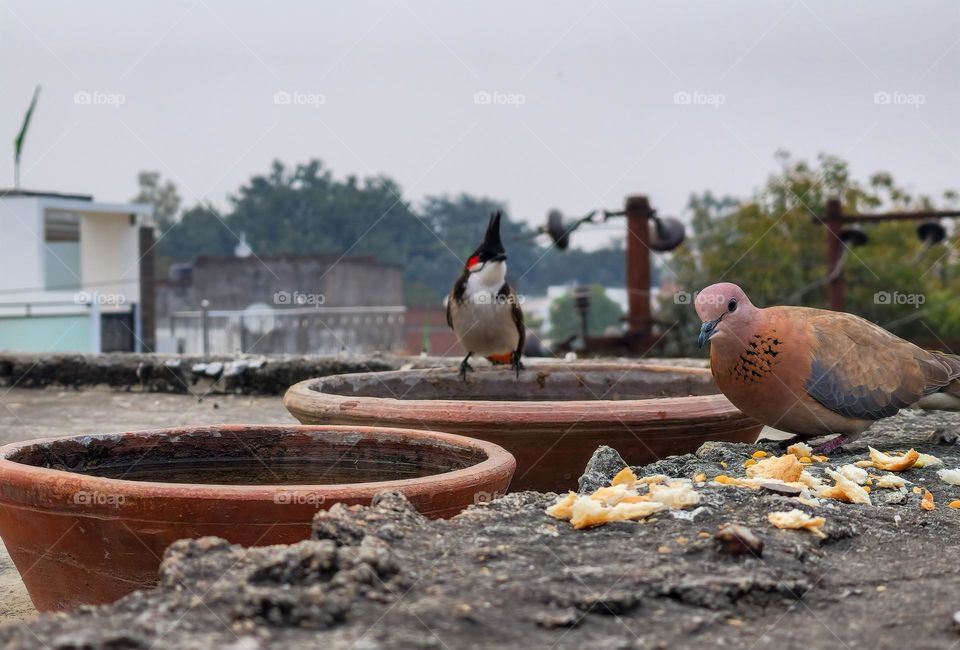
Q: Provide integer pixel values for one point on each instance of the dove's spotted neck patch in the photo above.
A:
(758, 359)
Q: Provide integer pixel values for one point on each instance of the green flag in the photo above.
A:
(18, 143)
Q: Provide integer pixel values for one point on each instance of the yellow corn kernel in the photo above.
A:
(700, 477)
(866, 488)
(954, 504)
(806, 459)
(759, 454)
(749, 462)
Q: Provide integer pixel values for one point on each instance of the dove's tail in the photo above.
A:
(946, 397)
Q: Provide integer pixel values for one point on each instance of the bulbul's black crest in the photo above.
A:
(492, 246)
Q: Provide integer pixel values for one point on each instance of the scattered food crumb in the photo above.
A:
(890, 463)
(928, 460)
(800, 450)
(927, 502)
(951, 476)
(785, 468)
(797, 519)
(844, 490)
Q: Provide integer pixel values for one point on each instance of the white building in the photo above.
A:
(72, 273)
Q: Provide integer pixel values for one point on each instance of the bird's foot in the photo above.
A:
(516, 364)
(825, 448)
(464, 367)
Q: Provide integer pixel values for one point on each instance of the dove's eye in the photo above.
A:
(732, 305)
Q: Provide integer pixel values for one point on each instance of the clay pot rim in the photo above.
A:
(20, 480)
(302, 398)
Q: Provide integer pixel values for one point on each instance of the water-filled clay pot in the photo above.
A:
(551, 419)
(86, 519)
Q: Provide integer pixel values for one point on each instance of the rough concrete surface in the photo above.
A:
(506, 575)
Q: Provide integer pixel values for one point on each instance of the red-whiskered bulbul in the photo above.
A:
(483, 310)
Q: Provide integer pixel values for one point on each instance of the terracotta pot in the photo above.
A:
(551, 419)
(80, 538)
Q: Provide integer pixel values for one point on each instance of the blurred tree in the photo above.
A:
(565, 319)
(199, 231)
(163, 196)
(771, 247)
(306, 210)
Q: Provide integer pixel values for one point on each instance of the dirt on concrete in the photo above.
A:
(504, 574)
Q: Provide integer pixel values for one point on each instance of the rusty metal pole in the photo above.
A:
(836, 289)
(638, 213)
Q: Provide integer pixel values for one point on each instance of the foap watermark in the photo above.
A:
(897, 298)
(897, 98)
(697, 98)
(298, 299)
(486, 497)
(101, 299)
(299, 98)
(99, 98)
(497, 98)
(485, 298)
(94, 498)
(298, 499)
(692, 297)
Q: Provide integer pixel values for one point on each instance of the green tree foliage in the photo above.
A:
(163, 196)
(771, 246)
(306, 210)
(565, 319)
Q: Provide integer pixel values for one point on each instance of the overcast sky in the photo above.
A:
(578, 101)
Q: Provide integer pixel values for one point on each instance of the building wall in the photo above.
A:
(21, 246)
(235, 283)
(69, 333)
(109, 248)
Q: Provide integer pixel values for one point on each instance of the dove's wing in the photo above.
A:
(862, 371)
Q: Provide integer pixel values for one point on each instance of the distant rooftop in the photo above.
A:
(4, 193)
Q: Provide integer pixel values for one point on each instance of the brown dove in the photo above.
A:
(814, 372)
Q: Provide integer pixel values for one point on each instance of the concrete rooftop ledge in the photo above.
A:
(240, 374)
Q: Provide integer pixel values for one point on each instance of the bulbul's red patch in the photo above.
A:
(473, 261)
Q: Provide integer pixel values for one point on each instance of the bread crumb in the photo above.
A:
(785, 468)
(951, 476)
(844, 490)
(800, 450)
(563, 508)
(928, 460)
(856, 474)
(890, 463)
(625, 475)
(798, 519)
(890, 481)
(927, 502)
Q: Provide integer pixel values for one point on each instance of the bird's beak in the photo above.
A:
(706, 331)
